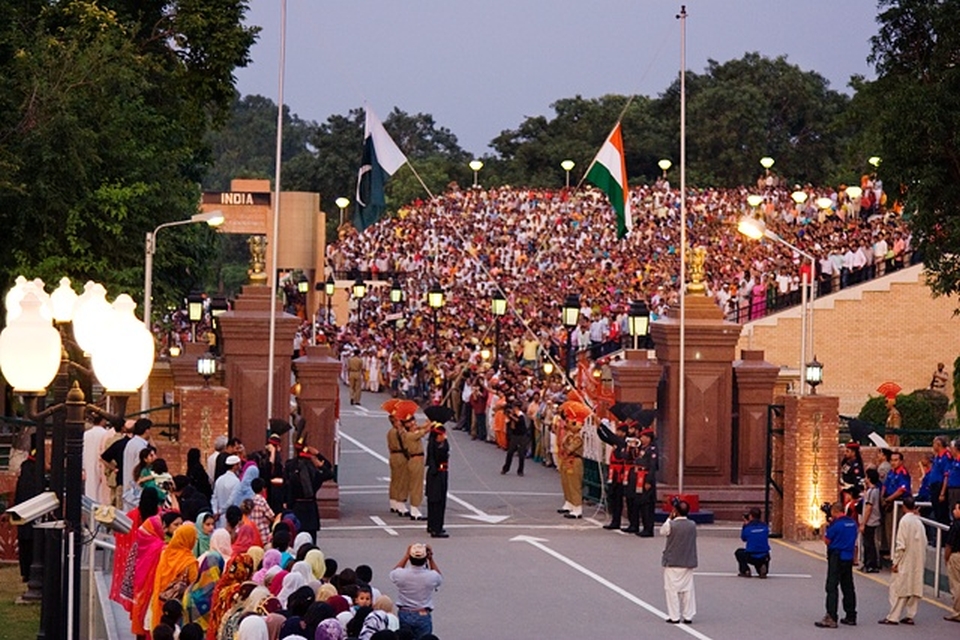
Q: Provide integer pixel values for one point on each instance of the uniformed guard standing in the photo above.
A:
(649, 460)
(355, 376)
(633, 482)
(572, 415)
(438, 460)
(616, 471)
(411, 438)
(398, 461)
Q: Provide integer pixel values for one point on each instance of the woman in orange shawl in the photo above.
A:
(177, 564)
(237, 571)
(149, 547)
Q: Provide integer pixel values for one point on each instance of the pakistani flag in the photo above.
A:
(381, 159)
(608, 171)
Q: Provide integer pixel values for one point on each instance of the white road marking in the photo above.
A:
(478, 513)
(383, 525)
(721, 574)
(538, 543)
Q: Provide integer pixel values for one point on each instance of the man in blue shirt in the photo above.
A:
(757, 551)
(415, 586)
(841, 540)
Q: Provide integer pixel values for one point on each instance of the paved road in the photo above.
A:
(514, 568)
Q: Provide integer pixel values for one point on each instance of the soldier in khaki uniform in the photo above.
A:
(572, 415)
(398, 461)
(411, 438)
(355, 376)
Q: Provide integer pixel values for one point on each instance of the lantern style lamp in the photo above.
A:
(195, 306)
(330, 286)
(435, 300)
(570, 314)
(206, 367)
(62, 302)
(303, 285)
(498, 306)
(30, 348)
(124, 356)
(359, 288)
(396, 292)
(88, 313)
(814, 375)
(638, 319)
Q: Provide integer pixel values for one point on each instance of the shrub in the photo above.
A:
(874, 411)
(917, 410)
(938, 402)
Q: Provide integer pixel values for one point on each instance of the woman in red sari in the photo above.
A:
(121, 587)
(150, 545)
(225, 594)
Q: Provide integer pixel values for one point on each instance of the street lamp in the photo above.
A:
(213, 219)
(475, 166)
(342, 203)
(638, 321)
(303, 285)
(122, 360)
(206, 367)
(498, 305)
(874, 161)
(194, 311)
(359, 291)
(570, 315)
(396, 292)
(665, 165)
(854, 192)
(567, 166)
(766, 162)
(435, 299)
(754, 200)
(329, 288)
(756, 229)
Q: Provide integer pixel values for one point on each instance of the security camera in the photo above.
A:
(108, 515)
(34, 508)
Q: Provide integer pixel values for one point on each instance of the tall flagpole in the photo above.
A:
(276, 217)
(681, 430)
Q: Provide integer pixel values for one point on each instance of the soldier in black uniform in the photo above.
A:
(851, 470)
(633, 482)
(648, 461)
(438, 460)
(616, 471)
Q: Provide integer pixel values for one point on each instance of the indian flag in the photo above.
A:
(608, 171)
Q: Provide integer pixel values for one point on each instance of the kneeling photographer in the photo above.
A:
(756, 534)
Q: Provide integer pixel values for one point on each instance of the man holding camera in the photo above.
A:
(756, 534)
(679, 561)
(415, 587)
(841, 540)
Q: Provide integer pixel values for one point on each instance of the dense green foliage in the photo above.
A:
(103, 111)
(914, 108)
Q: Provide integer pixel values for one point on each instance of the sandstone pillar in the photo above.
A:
(204, 414)
(318, 374)
(245, 332)
(637, 378)
(755, 381)
(810, 470)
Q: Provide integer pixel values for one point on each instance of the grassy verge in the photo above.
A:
(19, 620)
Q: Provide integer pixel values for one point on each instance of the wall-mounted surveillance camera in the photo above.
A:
(34, 508)
(115, 520)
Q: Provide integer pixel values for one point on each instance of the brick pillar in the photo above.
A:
(637, 378)
(810, 470)
(754, 380)
(204, 413)
(318, 373)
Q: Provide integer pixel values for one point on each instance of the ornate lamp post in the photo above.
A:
(567, 166)
(498, 305)
(206, 367)
(814, 375)
(342, 203)
(31, 356)
(638, 322)
(665, 165)
(359, 291)
(396, 293)
(329, 288)
(570, 317)
(436, 300)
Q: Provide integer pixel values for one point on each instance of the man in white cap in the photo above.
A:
(415, 587)
(224, 488)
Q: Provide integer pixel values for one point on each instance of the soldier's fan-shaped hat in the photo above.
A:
(389, 405)
(405, 409)
(575, 412)
(645, 417)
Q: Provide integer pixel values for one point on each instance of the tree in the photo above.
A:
(915, 107)
(104, 110)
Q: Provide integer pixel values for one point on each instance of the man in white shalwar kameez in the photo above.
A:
(679, 561)
(906, 588)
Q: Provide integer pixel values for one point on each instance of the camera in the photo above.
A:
(675, 502)
(34, 508)
(826, 509)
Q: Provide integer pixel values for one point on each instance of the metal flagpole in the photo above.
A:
(681, 422)
(276, 217)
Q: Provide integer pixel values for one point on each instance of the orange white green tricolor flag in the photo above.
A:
(608, 172)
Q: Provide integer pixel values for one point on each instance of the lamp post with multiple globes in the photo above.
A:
(32, 355)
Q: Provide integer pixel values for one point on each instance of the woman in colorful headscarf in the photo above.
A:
(220, 542)
(205, 524)
(150, 545)
(177, 566)
(244, 490)
(303, 538)
(238, 570)
(274, 624)
(247, 538)
(316, 560)
(274, 580)
(271, 559)
(198, 599)
(121, 588)
(304, 569)
(253, 628)
(291, 582)
(330, 629)
(250, 594)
